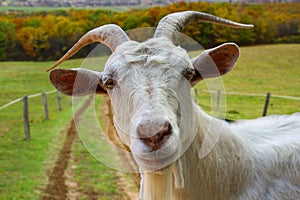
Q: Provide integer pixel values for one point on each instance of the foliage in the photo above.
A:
(7, 36)
(45, 35)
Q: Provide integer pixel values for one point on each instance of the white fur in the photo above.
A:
(199, 157)
(204, 158)
(253, 159)
(250, 159)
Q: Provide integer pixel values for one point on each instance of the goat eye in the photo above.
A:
(109, 84)
(188, 74)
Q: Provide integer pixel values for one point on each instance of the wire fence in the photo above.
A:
(26, 115)
(25, 99)
(267, 96)
(256, 95)
(21, 98)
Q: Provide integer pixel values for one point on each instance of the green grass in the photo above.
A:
(93, 176)
(23, 78)
(269, 68)
(260, 69)
(24, 164)
(95, 168)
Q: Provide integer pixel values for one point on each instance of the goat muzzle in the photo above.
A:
(155, 134)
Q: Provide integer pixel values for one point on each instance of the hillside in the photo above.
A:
(23, 171)
(82, 3)
(87, 3)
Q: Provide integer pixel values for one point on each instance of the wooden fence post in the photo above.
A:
(266, 104)
(26, 118)
(45, 106)
(59, 100)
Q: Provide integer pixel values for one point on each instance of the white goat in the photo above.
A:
(149, 86)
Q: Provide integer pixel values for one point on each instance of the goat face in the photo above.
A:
(149, 85)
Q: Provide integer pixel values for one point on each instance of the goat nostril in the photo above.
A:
(152, 139)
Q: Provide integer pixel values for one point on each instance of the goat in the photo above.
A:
(155, 117)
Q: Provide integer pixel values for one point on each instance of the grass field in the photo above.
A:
(24, 164)
(261, 69)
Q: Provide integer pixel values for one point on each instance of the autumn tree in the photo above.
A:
(47, 35)
(7, 37)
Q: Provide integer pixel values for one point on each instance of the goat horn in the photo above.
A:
(111, 35)
(172, 24)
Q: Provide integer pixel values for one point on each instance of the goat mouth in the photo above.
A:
(157, 141)
(157, 151)
(147, 155)
(155, 161)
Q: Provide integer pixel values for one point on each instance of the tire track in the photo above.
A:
(111, 133)
(57, 188)
(59, 179)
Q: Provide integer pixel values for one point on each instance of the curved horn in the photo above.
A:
(111, 35)
(172, 24)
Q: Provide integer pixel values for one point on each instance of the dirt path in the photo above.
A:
(60, 184)
(57, 188)
(111, 134)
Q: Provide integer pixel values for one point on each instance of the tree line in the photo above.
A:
(47, 35)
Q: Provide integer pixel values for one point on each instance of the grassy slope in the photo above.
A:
(24, 163)
(261, 69)
(92, 176)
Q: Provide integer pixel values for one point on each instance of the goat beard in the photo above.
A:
(157, 184)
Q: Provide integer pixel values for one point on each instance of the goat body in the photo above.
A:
(182, 153)
(253, 159)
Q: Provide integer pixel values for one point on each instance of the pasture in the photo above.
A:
(261, 69)
(25, 165)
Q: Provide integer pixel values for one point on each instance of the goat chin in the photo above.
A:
(159, 181)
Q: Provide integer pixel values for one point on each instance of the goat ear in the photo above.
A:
(77, 82)
(215, 62)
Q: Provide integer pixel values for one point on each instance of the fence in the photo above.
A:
(267, 100)
(26, 108)
(46, 113)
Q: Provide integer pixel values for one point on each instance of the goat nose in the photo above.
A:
(153, 134)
